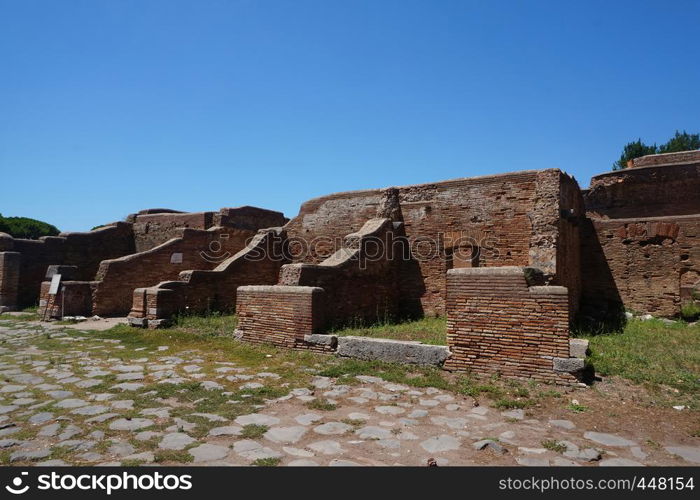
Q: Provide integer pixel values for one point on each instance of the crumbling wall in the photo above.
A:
(359, 280)
(508, 219)
(151, 230)
(198, 291)
(156, 226)
(639, 247)
(74, 298)
(279, 315)
(498, 324)
(569, 241)
(641, 263)
(677, 158)
(84, 250)
(10, 263)
(116, 279)
(654, 191)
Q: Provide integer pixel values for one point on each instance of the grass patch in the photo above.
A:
(512, 404)
(21, 317)
(577, 408)
(211, 324)
(690, 311)
(321, 404)
(427, 330)
(132, 463)
(179, 456)
(415, 376)
(651, 352)
(554, 445)
(253, 431)
(266, 462)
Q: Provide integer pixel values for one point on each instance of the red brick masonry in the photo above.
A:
(497, 323)
(279, 315)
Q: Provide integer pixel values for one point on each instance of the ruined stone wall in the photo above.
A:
(568, 260)
(279, 315)
(74, 298)
(681, 157)
(10, 263)
(193, 249)
(640, 263)
(359, 280)
(151, 230)
(640, 239)
(511, 219)
(84, 250)
(198, 291)
(497, 323)
(645, 192)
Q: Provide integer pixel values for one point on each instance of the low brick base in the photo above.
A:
(280, 315)
(74, 298)
(498, 324)
(9, 279)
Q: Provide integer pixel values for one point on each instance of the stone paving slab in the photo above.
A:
(100, 402)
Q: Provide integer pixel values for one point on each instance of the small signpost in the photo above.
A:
(55, 283)
(53, 291)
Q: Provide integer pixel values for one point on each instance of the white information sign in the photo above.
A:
(55, 282)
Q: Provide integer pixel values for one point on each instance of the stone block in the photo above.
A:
(393, 351)
(138, 322)
(322, 340)
(578, 348)
(568, 365)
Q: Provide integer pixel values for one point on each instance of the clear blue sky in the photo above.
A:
(111, 106)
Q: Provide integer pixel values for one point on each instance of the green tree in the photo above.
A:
(633, 150)
(24, 227)
(681, 142)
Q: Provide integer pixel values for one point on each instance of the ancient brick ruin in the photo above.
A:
(101, 268)
(510, 259)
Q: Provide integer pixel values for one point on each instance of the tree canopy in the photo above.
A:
(681, 141)
(24, 227)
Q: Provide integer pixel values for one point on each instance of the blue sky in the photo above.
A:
(108, 107)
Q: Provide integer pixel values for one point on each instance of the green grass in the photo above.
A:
(690, 311)
(577, 408)
(652, 353)
(266, 462)
(427, 330)
(180, 456)
(253, 431)
(213, 323)
(554, 445)
(510, 404)
(321, 404)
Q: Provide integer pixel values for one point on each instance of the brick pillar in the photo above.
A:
(9, 279)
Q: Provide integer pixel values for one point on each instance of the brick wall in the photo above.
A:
(84, 250)
(359, 280)
(74, 298)
(569, 241)
(497, 323)
(513, 219)
(10, 263)
(193, 249)
(667, 159)
(641, 263)
(645, 192)
(151, 230)
(279, 315)
(250, 218)
(197, 291)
